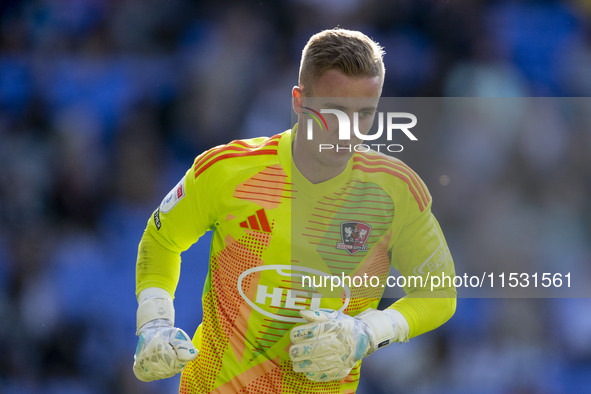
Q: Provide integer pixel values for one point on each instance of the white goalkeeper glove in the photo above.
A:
(162, 350)
(331, 343)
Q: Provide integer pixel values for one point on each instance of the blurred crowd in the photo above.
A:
(105, 103)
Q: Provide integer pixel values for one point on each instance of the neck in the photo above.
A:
(309, 165)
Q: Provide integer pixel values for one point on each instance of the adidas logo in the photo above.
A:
(257, 222)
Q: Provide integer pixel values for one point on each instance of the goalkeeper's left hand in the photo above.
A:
(331, 343)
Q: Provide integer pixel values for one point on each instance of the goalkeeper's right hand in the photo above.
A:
(162, 350)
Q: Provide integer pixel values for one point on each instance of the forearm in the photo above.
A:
(156, 266)
(425, 310)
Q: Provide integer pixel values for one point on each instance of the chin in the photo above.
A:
(333, 158)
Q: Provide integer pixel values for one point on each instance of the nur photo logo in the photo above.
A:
(344, 129)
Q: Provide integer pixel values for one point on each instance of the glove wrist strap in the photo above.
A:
(385, 327)
(154, 303)
(400, 323)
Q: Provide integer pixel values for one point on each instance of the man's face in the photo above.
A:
(334, 90)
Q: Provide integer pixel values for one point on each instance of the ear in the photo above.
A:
(297, 93)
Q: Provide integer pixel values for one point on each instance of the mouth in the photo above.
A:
(343, 148)
(339, 149)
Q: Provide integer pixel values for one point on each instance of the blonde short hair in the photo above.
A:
(350, 52)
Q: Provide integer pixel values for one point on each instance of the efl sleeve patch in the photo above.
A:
(173, 197)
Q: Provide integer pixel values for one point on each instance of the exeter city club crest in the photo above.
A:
(354, 236)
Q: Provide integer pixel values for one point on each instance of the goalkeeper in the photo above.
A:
(354, 213)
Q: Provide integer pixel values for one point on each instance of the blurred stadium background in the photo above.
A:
(105, 103)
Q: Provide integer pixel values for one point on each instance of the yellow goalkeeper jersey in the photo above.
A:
(279, 245)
